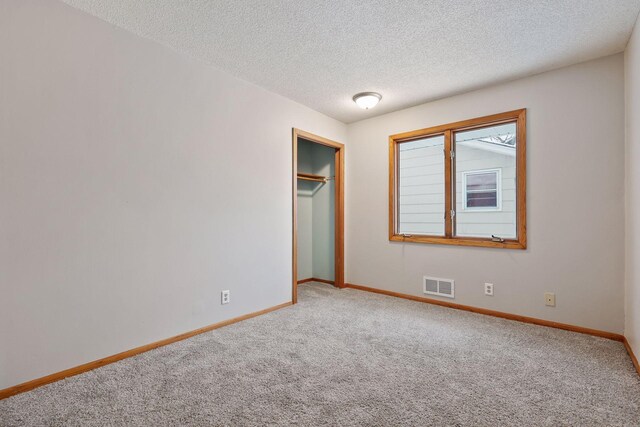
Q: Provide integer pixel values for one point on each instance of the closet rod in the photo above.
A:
(312, 177)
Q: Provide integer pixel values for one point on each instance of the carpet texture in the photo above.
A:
(346, 357)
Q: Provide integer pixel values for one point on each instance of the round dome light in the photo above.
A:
(366, 100)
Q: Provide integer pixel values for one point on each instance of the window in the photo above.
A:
(481, 190)
(461, 183)
(420, 186)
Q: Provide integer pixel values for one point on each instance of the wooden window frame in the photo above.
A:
(520, 242)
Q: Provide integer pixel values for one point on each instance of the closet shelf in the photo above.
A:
(312, 177)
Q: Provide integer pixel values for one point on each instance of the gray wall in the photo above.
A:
(135, 185)
(632, 297)
(575, 195)
(323, 215)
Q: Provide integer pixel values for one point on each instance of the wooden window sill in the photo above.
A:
(459, 241)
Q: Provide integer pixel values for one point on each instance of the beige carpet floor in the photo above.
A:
(347, 358)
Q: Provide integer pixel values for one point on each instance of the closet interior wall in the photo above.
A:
(316, 207)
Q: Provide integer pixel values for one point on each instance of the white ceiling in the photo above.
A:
(320, 53)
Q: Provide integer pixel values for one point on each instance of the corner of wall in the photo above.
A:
(632, 189)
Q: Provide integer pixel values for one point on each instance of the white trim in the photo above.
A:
(498, 172)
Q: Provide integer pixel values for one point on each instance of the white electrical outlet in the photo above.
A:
(226, 298)
(550, 299)
(488, 289)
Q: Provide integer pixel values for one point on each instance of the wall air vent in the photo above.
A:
(439, 287)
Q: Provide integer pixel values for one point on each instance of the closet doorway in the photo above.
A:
(318, 210)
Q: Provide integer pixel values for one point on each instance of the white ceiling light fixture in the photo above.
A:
(367, 100)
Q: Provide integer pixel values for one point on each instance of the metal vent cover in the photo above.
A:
(438, 286)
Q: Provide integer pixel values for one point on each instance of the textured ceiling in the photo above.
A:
(320, 53)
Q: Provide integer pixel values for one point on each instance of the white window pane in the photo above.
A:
(486, 182)
(421, 187)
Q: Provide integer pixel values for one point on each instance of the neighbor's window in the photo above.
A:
(462, 183)
(482, 190)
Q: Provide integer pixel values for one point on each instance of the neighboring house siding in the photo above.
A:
(421, 191)
(421, 187)
(482, 224)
